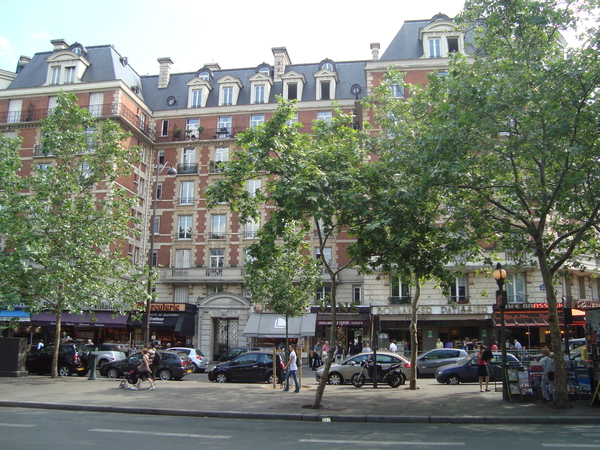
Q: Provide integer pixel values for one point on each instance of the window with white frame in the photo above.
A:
(96, 101)
(185, 227)
(70, 75)
(222, 154)
(252, 186)
(217, 257)
(55, 75)
(259, 93)
(156, 227)
(224, 123)
(435, 48)
(196, 98)
(191, 128)
(326, 254)
(293, 120)
(186, 193)
(399, 291)
(325, 116)
(159, 190)
(515, 287)
(205, 76)
(292, 91)
(14, 110)
(52, 103)
(215, 288)
(251, 229)
(161, 157)
(188, 156)
(227, 96)
(458, 290)
(164, 128)
(322, 292)
(248, 258)
(181, 294)
(256, 120)
(357, 294)
(154, 261)
(397, 91)
(183, 258)
(217, 226)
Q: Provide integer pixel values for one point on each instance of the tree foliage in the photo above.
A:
(65, 225)
(512, 135)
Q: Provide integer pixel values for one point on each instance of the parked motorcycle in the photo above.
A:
(393, 376)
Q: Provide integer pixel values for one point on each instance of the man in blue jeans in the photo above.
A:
(291, 371)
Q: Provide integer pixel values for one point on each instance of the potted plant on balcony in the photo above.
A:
(177, 133)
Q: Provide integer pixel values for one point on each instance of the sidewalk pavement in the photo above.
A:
(195, 396)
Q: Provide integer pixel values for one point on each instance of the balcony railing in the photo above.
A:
(216, 166)
(180, 135)
(461, 299)
(400, 300)
(187, 168)
(185, 201)
(214, 272)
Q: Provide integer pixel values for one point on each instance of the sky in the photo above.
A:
(233, 33)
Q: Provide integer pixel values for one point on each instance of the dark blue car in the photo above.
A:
(465, 371)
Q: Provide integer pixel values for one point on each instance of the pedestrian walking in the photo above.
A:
(483, 371)
(547, 383)
(439, 343)
(291, 371)
(151, 360)
(144, 373)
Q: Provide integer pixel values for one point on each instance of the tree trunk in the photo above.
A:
(54, 369)
(332, 336)
(414, 338)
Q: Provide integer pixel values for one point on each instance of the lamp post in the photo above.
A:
(171, 171)
(501, 300)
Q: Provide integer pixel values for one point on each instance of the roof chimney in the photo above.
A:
(164, 74)
(375, 50)
(23, 60)
(282, 59)
(59, 44)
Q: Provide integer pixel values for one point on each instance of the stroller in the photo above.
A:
(129, 378)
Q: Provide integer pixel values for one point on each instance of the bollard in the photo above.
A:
(92, 360)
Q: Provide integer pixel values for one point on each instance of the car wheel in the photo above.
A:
(64, 371)
(270, 379)
(112, 373)
(335, 379)
(221, 378)
(164, 375)
(453, 379)
(102, 362)
(402, 378)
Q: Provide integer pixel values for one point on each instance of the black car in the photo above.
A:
(233, 352)
(72, 358)
(248, 367)
(173, 365)
(465, 371)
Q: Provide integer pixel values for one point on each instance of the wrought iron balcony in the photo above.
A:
(404, 300)
(187, 168)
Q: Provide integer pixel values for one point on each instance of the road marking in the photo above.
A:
(16, 425)
(353, 442)
(572, 445)
(150, 433)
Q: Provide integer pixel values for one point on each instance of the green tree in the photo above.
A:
(280, 274)
(513, 137)
(65, 225)
(313, 184)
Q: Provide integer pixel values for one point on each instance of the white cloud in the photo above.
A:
(4, 46)
(41, 35)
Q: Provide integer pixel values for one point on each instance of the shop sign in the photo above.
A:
(431, 310)
(179, 307)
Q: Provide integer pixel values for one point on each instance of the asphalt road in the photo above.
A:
(27, 429)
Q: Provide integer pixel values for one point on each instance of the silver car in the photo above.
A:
(200, 361)
(341, 373)
(428, 362)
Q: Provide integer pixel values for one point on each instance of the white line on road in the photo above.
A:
(151, 433)
(572, 445)
(15, 425)
(353, 442)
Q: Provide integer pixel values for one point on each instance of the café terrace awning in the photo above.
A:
(273, 326)
(536, 318)
(15, 314)
(102, 319)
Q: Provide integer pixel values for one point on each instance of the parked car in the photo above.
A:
(341, 373)
(106, 353)
(466, 370)
(249, 367)
(233, 352)
(71, 359)
(197, 357)
(173, 365)
(428, 362)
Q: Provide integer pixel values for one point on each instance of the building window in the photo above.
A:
(251, 229)
(515, 288)
(159, 190)
(256, 120)
(154, 258)
(227, 96)
(259, 93)
(188, 156)
(196, 98)
(326, 254)
(322, 292)
(357, 294)
(191, 128)
(293, 120)
(217, 226)
(327, 66)
(185, 227)
(458, 290)
(183, 258)
(399, 291)
(224, 124)
(161, 157)
(164, 129)
(252, 186)
(435, 49)
(204, 76)
(96, 101)
(215, 288)
(325, 90)
(55, 75)
(453, 45)
(217, 258)
(14, 111)
(52, 103)
(397, 91)
(156, 227)
(222, 154)
(186, 193)
(181, 294)
(248, 259)
(69, 75)
(292, 91)
(325, 116)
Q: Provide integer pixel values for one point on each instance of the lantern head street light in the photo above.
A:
(171, 172)
(501, 301)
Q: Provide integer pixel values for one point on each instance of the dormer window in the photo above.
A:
(326, 79)
(327, 66)
(66, 66)
(265, 70)
(227, 95)
(229, 90)
(198, 92)
(205, 76)
(69, 75)
(435, 48)
(261, 83)
(55, 75)
(293, 84)
(441, 37)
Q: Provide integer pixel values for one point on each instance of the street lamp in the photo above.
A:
(171, 171)
(501, 300)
